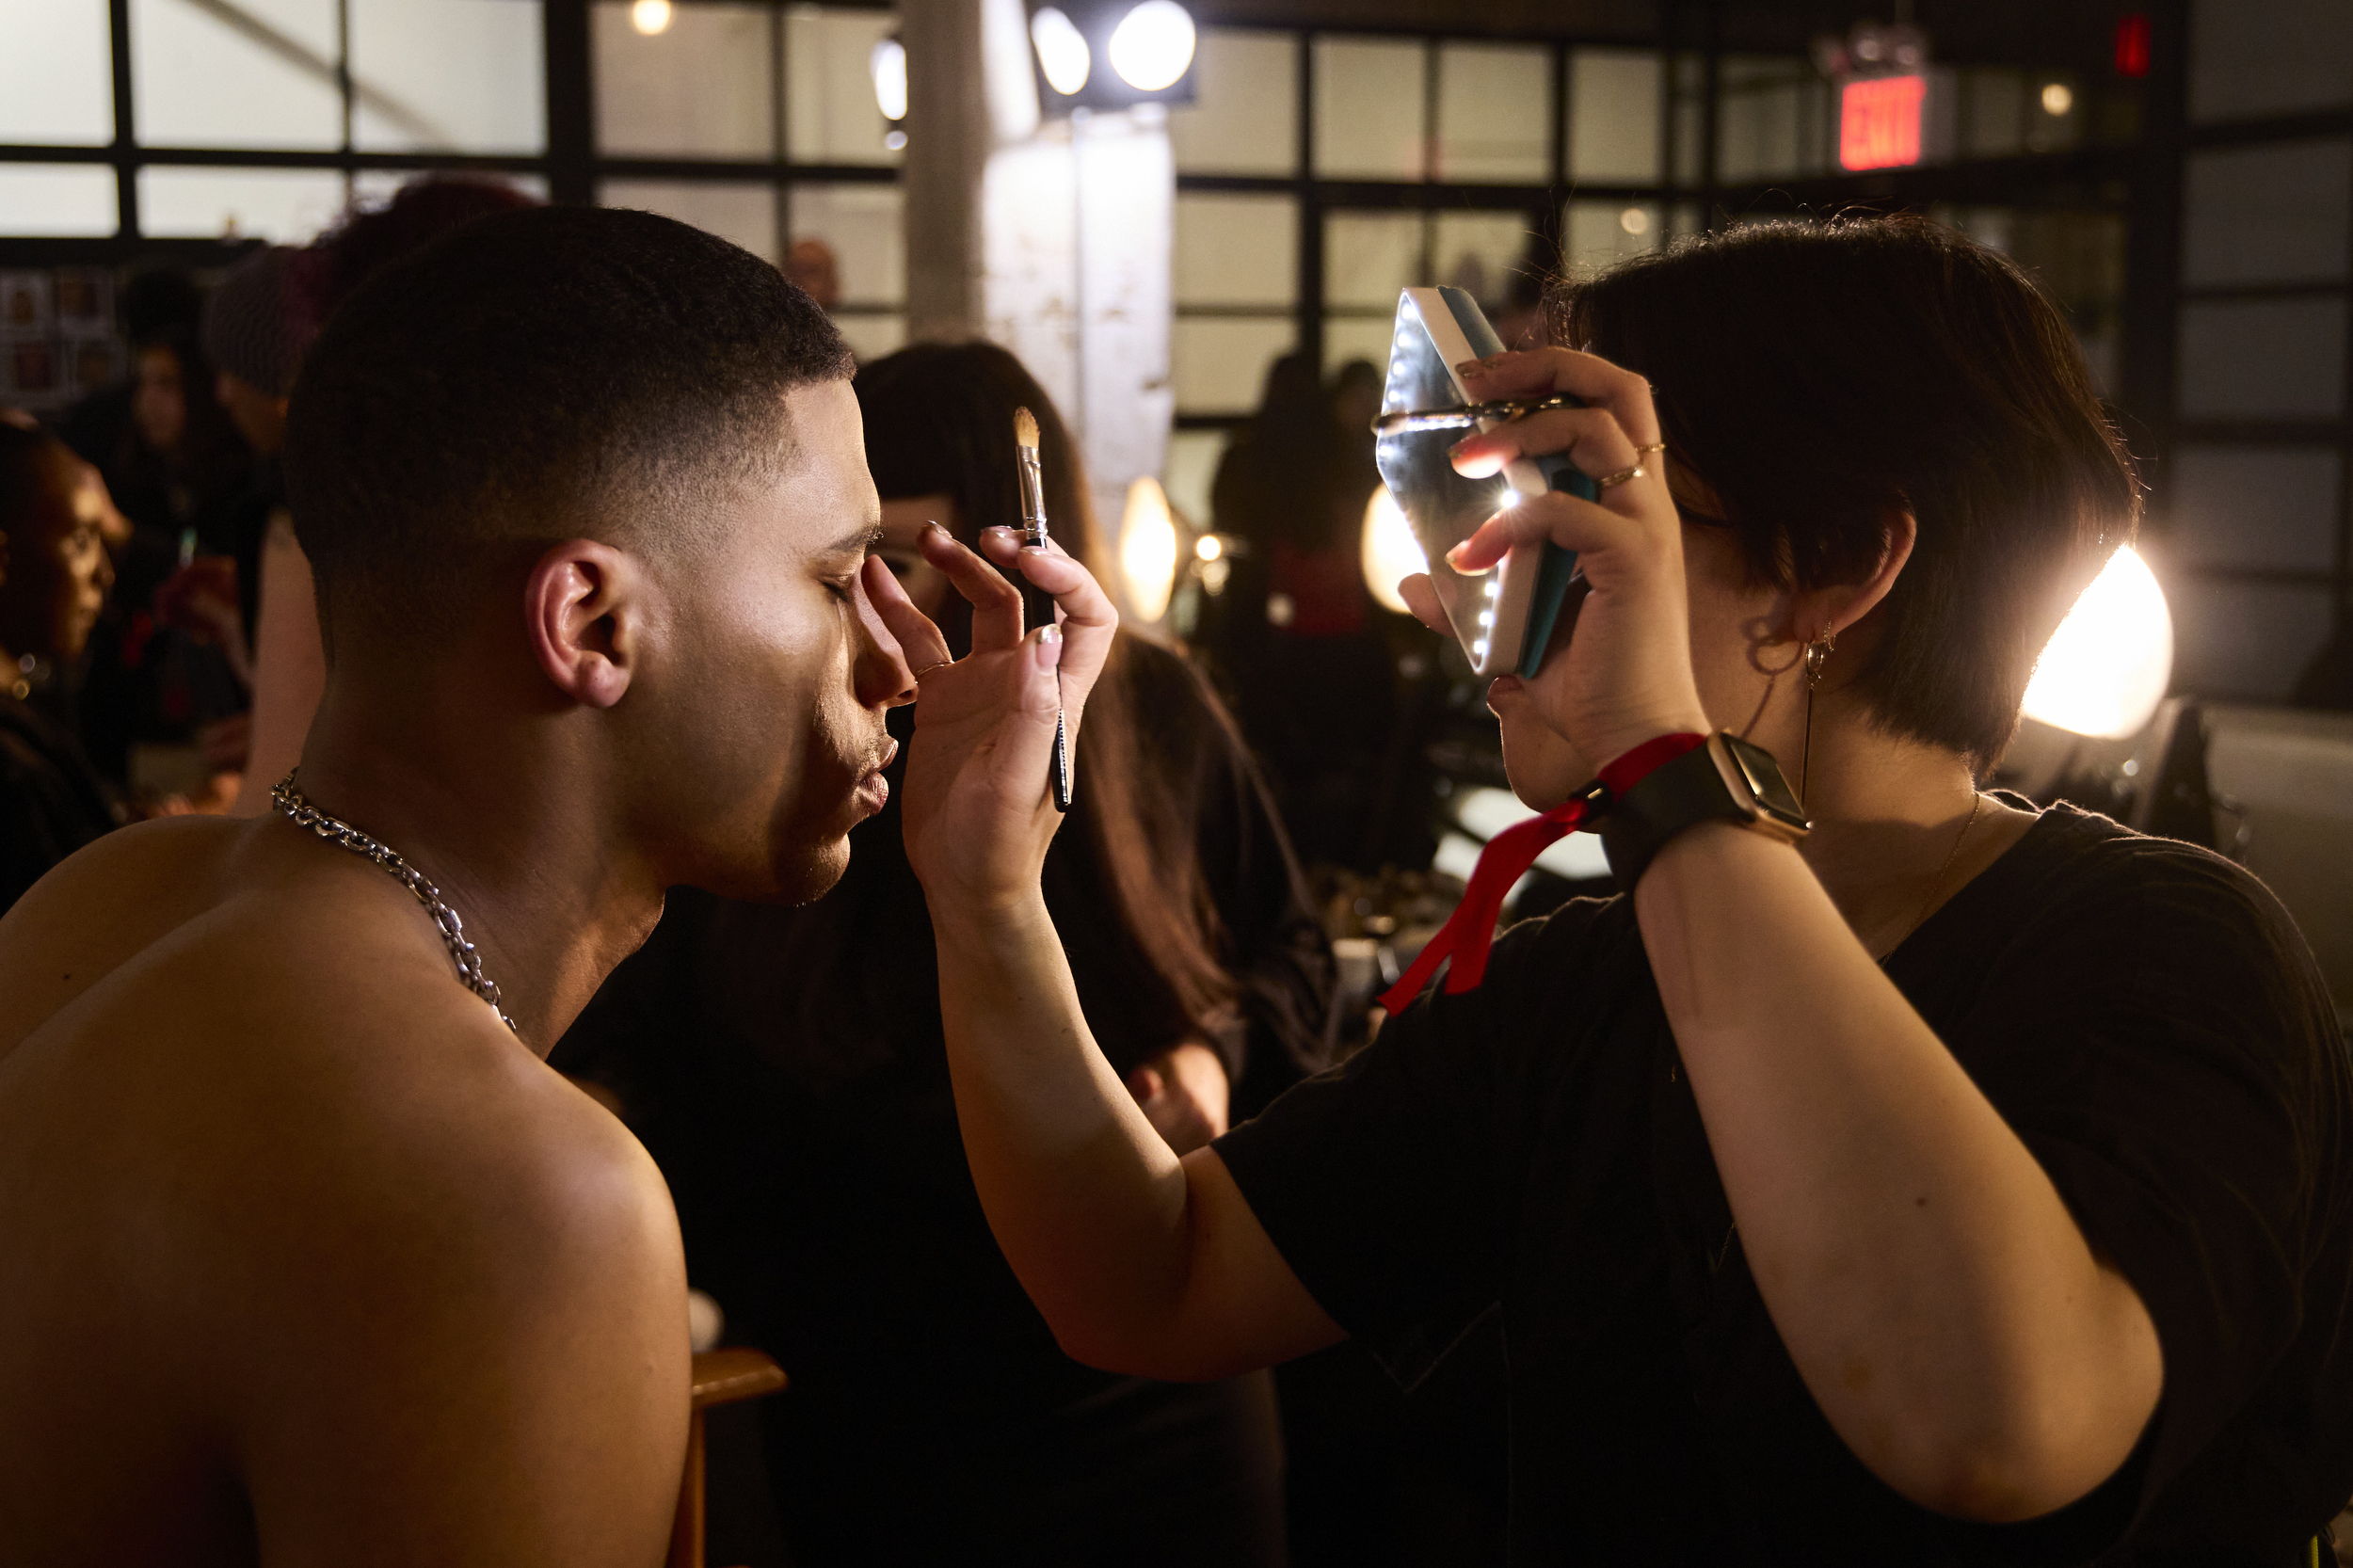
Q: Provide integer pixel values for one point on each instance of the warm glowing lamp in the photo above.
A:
(1062, 50)
(1388, 549)
(650, 16)
(1152, 45)
(2108, 665)
(1148, 548)
(889, 66)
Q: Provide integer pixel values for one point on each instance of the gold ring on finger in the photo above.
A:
(1650, 451)
(1606, 480)
(928, 668)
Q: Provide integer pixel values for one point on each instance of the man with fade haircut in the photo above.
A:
(309, 1257)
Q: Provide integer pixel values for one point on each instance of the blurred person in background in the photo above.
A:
(786, 1068)
(1295, 638)
(289, 667)
(54, 574)
(175, 464)
(810, 264)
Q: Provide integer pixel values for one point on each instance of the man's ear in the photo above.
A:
(1838, 605)
(584, 611)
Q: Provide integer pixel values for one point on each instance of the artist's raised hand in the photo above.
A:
(975, 807)
(1625, 675)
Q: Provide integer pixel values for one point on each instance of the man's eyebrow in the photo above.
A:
(863, 542)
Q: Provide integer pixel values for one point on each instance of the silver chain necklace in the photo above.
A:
(300, 810)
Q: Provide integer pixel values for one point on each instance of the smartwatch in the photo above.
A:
(1726, 781)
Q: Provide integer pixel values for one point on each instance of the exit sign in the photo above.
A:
(1879, 121)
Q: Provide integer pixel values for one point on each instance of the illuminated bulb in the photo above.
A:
(1062, 51)
(1634, 222)
(889, 66)
(1509, 497)
(1388, 549)
(1208, 547)
(2107, 667)
(1486, 617)
(1148, 548)
(1152, 45)
(894, 141)
(650, 16)
(2057, 98)
(1495, 587)
(1479, 648)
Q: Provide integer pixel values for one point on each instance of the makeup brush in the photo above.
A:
(1037, 605)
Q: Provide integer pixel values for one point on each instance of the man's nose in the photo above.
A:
(878, 670)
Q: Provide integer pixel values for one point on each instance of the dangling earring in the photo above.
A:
(1817, 654)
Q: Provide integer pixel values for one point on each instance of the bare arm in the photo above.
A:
(1140, 1262)
(289, 668)
(484, 1363)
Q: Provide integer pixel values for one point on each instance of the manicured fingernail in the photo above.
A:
(1050, 644)
(1470, 367)
(936, 528)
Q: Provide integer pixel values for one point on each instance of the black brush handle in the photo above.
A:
(1037, 609)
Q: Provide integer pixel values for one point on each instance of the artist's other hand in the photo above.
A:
(1184, 1095)
(975, 808)
(1626, 673)
(200, 598)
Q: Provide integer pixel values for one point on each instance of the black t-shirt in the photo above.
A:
(2142, 1013)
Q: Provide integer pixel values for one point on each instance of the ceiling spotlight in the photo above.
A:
(650, 16)
(1634, 222)
(2057, 98)
(1152, 45)
(1062, 51)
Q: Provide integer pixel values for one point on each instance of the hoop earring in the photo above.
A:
(1817, 654)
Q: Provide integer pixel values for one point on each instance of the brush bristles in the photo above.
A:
(1025, 427)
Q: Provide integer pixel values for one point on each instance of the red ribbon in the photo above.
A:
(1471, 929)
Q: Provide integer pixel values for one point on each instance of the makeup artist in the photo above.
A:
(786, 1068)
(1954, 1184)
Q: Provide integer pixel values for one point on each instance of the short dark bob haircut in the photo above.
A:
(531, 377)
(1821, 377)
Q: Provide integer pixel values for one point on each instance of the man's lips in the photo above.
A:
(873, 789)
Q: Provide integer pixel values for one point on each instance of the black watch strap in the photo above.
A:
(1726, 781)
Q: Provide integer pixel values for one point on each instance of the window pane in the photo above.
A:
(864, 225)
(1218, 366)
(2255, 506)
(1992, 113)
(1236, 250)
(1613, 116)
(2273, 358)
(1189, 471)
(830, 113)
(289, 205)
(56, 76)
(1490, 256)
(2245, 640)
(1601, 233)
(2271, 214)
(2249, 60)
(1245, 116)
(870, 336)
(1495, 113)
(1771, 119)
(56, 200)
(450, 75)
(703, 87)
(200, 82)
(742, 213)
(1369, 97)
(1367, 257)
(1367, 337)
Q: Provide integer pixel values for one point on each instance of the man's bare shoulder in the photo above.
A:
(264, 1136)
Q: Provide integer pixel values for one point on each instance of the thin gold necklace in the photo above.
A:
(1977, 800)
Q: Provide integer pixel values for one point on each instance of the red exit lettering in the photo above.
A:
(1879, 121)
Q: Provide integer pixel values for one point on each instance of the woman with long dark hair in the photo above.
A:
(786, 1068)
